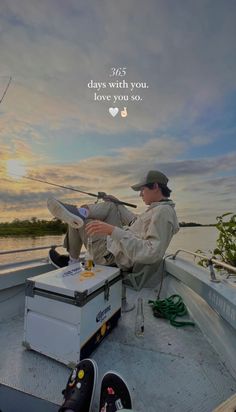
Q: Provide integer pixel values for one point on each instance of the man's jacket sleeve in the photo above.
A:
(153, 247)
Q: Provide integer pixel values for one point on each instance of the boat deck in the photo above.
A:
(169, 369)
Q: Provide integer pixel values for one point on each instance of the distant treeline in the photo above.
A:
(190, 224)
(37, 227)
(32, 227)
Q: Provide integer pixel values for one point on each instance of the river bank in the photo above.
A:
(32, 227)
(35, 227)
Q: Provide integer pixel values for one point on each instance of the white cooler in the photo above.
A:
(67, 315)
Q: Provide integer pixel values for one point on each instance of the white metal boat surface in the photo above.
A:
(187, 369)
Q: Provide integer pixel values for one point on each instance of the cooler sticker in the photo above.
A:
(81, 374)
(72, 272)
(103, 329)
(103, 314)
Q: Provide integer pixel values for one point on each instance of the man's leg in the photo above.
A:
(107, 212)
(73, 242)
(76, 238)
(80, 388)
(110, 212)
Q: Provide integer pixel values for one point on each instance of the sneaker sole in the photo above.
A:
(95, 382)
(76, 399)
(95, 366)
(58, 210)
(52, 262)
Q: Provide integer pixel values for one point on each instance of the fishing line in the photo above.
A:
(5, 91)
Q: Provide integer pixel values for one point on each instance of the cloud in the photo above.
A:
(17, 149)
(53, 49)
(5, 153)
(201, 167)
(186, 63)
(229, 182)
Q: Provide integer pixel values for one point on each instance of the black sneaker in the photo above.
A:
(80, 388)
(57, 260)
(115, 394)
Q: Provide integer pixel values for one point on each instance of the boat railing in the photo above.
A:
(31, 249)
(209, 261)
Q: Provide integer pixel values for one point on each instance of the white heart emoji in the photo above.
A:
(113, 111)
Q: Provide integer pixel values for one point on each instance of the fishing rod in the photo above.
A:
(5, 91)
(100, 195)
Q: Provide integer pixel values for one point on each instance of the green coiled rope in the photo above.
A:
(170, 308)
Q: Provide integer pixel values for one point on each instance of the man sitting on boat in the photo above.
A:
(119, 237)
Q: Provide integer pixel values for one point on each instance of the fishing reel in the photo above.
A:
(101, 195)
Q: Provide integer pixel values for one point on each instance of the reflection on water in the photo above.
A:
(190, 238)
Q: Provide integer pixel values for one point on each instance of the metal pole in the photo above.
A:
(31, 249)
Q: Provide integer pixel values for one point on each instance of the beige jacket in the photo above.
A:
(147, 239)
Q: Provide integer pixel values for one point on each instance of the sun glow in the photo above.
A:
(15, 168)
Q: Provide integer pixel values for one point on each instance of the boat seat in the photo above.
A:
(228, 406)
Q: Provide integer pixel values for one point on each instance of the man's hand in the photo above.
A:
(97, 227)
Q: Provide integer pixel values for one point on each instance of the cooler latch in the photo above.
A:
(106, 290)
(29, 288)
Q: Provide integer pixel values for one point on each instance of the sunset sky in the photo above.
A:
(185, 124)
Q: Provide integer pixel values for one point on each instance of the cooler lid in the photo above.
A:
(70, 279)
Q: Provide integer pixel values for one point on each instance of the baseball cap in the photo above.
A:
(153, 176)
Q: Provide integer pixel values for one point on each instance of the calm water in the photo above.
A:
(193, 238)
(188, 238)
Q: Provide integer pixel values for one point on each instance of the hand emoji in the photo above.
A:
(124, 112)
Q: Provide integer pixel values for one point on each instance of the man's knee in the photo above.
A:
(102, 211)
(111, 206)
